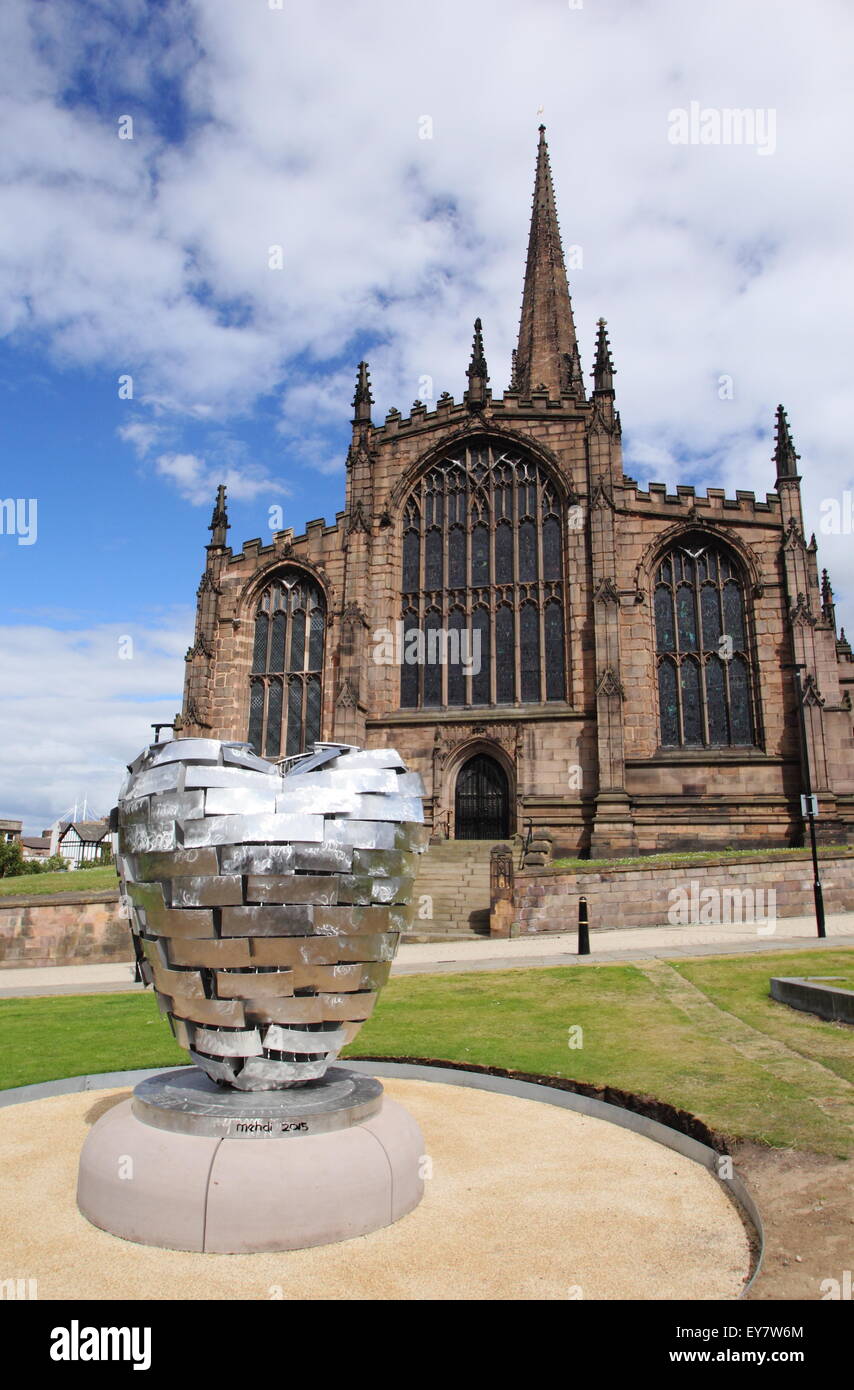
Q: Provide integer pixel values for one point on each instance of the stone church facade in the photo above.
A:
(612, 664)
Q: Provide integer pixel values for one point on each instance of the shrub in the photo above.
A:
(11, 859)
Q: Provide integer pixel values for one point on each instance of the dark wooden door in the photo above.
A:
(482, 801)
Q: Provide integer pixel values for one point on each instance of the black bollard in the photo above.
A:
(583, 928)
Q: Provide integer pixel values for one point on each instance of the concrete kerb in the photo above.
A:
(648, 1128)
(811, 995)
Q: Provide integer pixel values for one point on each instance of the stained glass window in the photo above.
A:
(433, 560)
(481, 658)
(498, 518)
(312, 709)
(529, 642)
(409, 670)
(504, 553)
(411, 554)
(705, 682)
(505, 666)
(287, 666)
(274, 720)
(480, 556)
(456, 670)
(668, 702)
(259, 654)
(553, 633)
(739, 694)
(457, 558)
(551, 548)
(716, 699)
(432, 661)
(692, 713)
(527, 550)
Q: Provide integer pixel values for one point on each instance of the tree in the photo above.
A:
(11, 858)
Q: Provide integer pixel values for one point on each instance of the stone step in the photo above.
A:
(454, 874)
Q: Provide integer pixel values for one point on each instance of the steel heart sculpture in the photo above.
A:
(266, 906)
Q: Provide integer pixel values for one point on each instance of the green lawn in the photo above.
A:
(74, 881)
(633, 1038)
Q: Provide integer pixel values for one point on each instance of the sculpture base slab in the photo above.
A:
(270, 1185)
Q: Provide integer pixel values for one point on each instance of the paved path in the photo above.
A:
(826, 1089)
(458, 957)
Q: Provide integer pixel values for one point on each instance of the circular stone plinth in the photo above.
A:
(187, 1101)
(205, 1191)
(522, 1200)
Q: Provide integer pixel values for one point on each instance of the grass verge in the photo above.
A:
(74, 881)
(670, 860)
(630, 1037)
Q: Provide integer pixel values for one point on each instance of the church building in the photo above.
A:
(544, 641)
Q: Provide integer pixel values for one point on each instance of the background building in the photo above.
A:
(633, 690)
(81, 842)
(10, 830)
(36, 846)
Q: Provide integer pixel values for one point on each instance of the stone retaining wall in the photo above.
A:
(627, 896)
(68, 929)
(86, 928)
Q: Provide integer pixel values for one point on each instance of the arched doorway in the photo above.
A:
(482, 800)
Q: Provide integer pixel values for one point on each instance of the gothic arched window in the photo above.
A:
(705, 681)
(287, 666)
(483, 583)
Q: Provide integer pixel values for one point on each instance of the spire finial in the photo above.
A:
(604, 370)
(784, 450)
(548, 350)
(363, 400)
(477, 371)
(219, 521)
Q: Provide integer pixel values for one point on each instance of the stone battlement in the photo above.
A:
(713, 500)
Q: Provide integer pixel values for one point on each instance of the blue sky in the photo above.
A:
(388, 148)
(102, 518)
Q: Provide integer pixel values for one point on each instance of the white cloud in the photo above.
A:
(197, 480)
(142, 435)
(70, 735)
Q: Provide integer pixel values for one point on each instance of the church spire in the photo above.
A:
(363, 400)
(547, 354)
(219, 521)
(477, 372)
(784, 450)
(604, 370)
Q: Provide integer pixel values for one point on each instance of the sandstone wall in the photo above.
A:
(71, 929)
(547, 899)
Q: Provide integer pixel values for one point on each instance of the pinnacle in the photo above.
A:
(219, 521)
(603, 370)
(363, 400)
(477, 373)
(784, 450)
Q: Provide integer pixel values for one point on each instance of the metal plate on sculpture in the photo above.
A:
(189, 1102)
